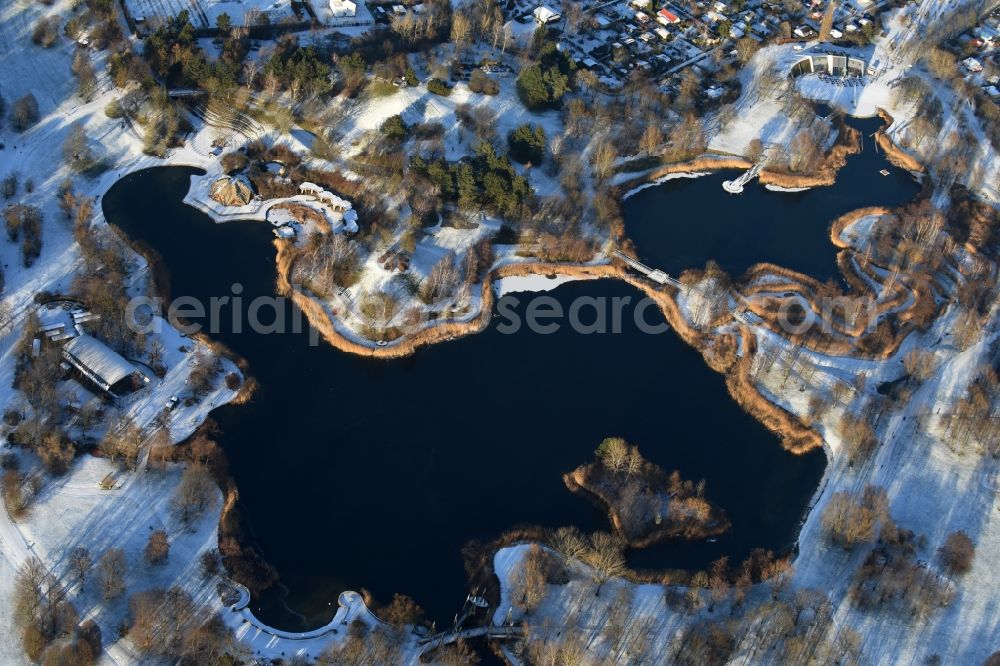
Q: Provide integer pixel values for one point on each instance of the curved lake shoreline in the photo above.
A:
(788, 229)
(283, 458)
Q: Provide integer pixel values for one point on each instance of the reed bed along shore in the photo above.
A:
(320, 318)
(896, 155)
(719, 350)
(795, 435)
(845, 221)
(848, 143)
(697, 165)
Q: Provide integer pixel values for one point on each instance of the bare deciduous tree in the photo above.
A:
(80, 562)
(111, 573)
(194, 494)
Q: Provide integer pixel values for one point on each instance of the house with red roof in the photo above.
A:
(667, 17)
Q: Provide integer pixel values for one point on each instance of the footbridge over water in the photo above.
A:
(736, 186)
(447, 637)
(741, 314)
(654, 274)
(177, 93)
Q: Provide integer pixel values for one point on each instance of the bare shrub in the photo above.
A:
(606, 555)
(957, 552)
(919, 364)
(858, 436)
(157, 548)
(46, 31)
(967, 329)
(401, 611)
(9, 184)
(15, 499)
(206, 369)
(849, 520)
(530, 576)
(569, 542)
(24, 113)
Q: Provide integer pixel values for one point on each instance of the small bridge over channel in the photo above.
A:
(474, 604)
(654, 274)
(178, 93)
(443, 638)
(744, 316)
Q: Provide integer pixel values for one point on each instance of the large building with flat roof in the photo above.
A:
(101, 365)
(834, 64)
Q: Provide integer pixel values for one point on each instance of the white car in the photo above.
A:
(172, 403)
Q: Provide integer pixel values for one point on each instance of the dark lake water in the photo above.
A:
(684, 222)
(359, 473)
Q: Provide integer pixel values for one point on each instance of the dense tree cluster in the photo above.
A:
(123, 442)
(164, 127)
(527, 144)
(126, 67)
(24, 223)
(891, 577)
(542, 85)
(36, 377)
(414, 30)
(169, 625)
(366, 645)
(442, 280)
(48, 622)
(102, 284)
(646, 503)
(488, 180)
(393, 128)
(438, 87)
(173, 53)
(298, 69)
(99, 20)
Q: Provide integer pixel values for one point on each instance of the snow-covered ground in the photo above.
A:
(72, 510)
(532, 283)
(760, 111)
